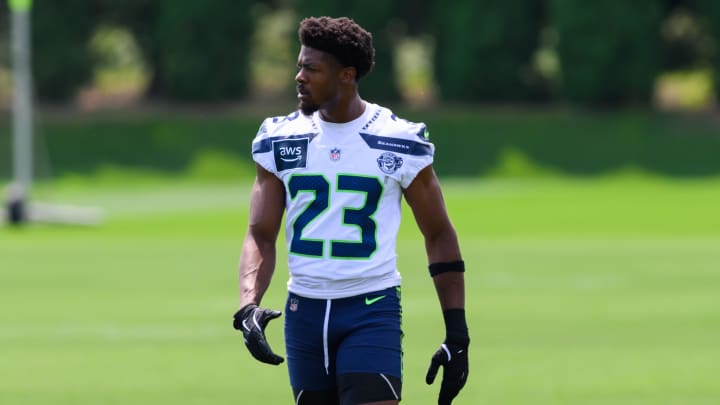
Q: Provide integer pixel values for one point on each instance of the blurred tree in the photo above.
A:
(203, 48)
(609, 50)
(484, 49)
(273, 53)
(686, 45)
(196, 50)
(140, 17)
(417, 15)
(4, 34)
(380, 18)
(709, 10)
(120, 74)
(61, 59)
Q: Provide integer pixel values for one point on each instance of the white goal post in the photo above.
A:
(19, 209)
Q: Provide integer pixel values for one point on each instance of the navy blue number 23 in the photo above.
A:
(361, 217)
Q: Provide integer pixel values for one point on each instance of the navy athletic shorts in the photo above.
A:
(327, 338)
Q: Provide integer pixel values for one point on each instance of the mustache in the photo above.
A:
(301, 89)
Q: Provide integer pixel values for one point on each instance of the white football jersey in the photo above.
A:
(343, 185)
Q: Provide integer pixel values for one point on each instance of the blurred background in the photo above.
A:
(141, 60)
(578, 144)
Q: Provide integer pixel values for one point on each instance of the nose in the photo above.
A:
(300, 77)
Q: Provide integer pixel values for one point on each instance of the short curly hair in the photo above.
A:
(341, 37)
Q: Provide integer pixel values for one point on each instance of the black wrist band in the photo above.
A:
(444, 267)
(456, 329)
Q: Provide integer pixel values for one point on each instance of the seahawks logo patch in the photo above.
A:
(388, 162)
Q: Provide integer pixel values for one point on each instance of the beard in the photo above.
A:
(307, 109)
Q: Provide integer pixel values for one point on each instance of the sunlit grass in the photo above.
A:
(579, 292)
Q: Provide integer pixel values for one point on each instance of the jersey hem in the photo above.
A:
(335, 294)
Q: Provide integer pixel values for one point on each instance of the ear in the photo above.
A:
(347, 75)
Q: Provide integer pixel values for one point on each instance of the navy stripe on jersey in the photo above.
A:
(397, 145)
(265, 145)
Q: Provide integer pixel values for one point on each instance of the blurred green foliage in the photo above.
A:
(204, 48)
(537, 143)
(608, 52)
(485, 49)
(273, 55)
(470, 143)
(140, 18)
(61, 60)
(709, 11)
(197, 51)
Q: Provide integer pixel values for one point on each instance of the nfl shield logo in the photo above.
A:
(293, 304)
(335, 154)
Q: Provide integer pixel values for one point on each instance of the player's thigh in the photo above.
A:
(369, 388)
(330, 398)
(304, 346)
(369, 358)
(373, 339)
(325, 397)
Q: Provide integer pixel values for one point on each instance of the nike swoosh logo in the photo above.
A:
(370, 301)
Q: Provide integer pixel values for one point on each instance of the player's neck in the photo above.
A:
(344, 112)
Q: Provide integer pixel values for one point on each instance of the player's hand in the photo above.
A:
(252, 320)
(453, 357)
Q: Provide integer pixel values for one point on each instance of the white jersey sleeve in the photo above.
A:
(276, 130)
(408, 141)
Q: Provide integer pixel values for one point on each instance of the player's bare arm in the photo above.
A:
(441, 243)
(257, 260)
(447, 270)
(257, 264)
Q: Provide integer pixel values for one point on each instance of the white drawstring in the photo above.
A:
(325, 337)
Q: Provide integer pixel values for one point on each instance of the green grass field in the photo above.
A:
(603, 291)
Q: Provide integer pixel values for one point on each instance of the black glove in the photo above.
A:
(252, 320)
(452, 356)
